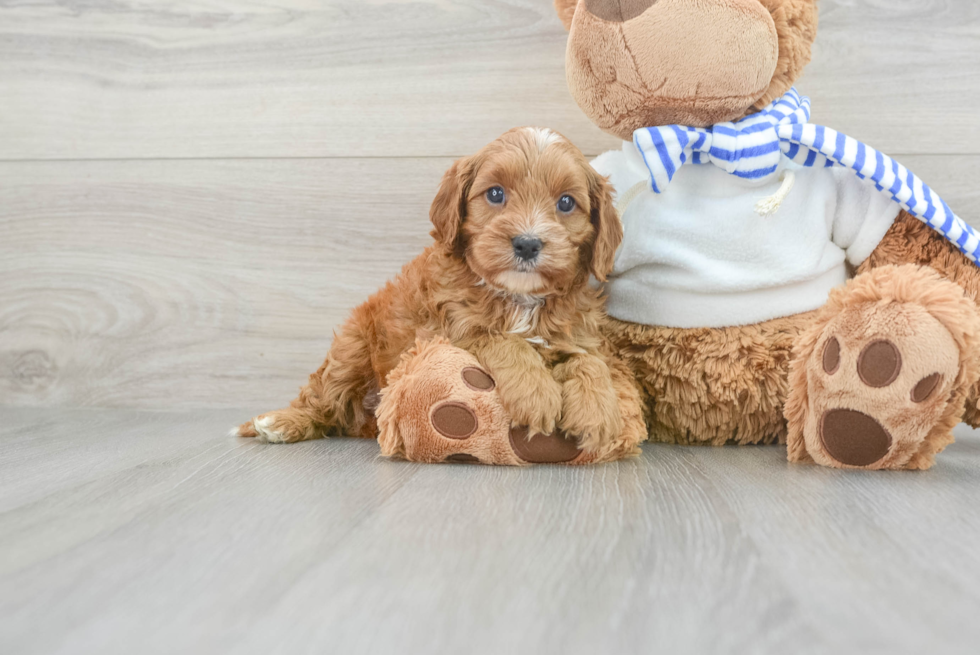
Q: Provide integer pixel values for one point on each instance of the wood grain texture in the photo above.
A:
(175, 284)
(179, 284)
(342, 78)
(126, 531)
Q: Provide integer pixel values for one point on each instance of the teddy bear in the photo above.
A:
(778, 281)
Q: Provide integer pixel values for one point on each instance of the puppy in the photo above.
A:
(518, 228)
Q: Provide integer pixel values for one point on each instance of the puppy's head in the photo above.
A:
(528, 214)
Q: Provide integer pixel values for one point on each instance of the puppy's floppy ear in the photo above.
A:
(448, 209)
(566, 10)
(605, 221)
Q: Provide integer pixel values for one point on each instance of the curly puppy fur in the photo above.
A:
(533, 324)
(876, 288)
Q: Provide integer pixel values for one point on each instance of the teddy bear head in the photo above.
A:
(642, 63)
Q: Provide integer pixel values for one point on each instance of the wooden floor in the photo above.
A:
(131, 532)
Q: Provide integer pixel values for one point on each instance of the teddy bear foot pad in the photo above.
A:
(884, 379)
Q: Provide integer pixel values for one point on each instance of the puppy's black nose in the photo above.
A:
(526, 248)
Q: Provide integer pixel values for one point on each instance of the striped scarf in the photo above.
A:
(753, 147)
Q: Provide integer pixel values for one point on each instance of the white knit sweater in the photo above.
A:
(699, 255)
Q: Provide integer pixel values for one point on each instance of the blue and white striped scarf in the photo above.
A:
(752, 148)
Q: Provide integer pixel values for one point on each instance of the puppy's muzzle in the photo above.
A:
(526, 248)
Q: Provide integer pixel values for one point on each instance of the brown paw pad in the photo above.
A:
(854, 438)
(552, 448)
(879, 363)
(925, 388)
(615, 11)
(454, 420)
(831, 356)
(462, 458)
(477, 380)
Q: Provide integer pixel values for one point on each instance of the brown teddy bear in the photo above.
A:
(778, 281)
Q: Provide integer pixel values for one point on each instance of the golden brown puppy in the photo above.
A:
(519, 228)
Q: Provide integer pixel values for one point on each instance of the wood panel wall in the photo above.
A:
(194, 194)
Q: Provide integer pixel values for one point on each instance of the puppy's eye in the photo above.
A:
(566, 204)
(495, 196)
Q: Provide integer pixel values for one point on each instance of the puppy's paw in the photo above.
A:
(591, 413)
(534, 402)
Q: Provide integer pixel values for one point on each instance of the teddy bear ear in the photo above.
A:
(566, 10)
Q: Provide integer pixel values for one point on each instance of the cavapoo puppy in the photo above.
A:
(519, 228)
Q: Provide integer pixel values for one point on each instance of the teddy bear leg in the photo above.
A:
(910, 241)
(711, 386)
(880, 379)
(439, 405)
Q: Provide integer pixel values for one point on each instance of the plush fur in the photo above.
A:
(534, 325)
(405, 430)
(796, 29)
(910, 241)
(935, 327)
(712, 386)
(683, 62)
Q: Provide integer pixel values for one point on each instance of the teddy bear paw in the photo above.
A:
(875, 398)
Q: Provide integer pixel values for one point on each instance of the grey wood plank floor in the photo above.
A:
(125, 531)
